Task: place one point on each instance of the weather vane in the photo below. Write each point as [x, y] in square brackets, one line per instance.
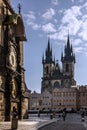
[19, 7]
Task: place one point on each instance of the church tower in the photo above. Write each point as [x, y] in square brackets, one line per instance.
[48, 67]
[12, 82]
[68, 61]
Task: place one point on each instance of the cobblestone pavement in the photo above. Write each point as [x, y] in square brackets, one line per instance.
[64, 126]
[31, 124]
[72, 122]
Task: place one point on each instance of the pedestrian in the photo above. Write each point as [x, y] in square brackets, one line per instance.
[82, 116]
[14, 123]
[14, 113]
[38, 113]
[64, 115]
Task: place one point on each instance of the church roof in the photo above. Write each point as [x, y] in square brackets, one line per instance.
[48, 54]
[68, 52]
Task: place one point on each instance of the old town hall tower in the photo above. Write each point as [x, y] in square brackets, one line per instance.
[13, 90]
[53, 75]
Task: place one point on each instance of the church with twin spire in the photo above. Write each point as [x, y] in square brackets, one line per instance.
[53, 75]
[59, 90]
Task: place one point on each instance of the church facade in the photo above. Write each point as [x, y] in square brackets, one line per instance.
[13, 90]
[53, 75]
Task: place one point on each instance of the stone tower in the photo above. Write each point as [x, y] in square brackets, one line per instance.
[48, 66]
[51, 71]
[12, 83]
[68, 61]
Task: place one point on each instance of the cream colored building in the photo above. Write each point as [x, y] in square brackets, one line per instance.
[64, 98]
[34, 100]
[46, 98]
[60, 98]
[40, 101]
[82, 97]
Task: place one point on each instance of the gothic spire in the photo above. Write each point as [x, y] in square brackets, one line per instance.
[68, 42]
[68, 51]
[48, 52]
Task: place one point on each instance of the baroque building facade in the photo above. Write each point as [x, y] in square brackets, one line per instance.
[53, 75]
[13, 90]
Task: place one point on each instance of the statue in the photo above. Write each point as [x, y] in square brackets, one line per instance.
[13, 92]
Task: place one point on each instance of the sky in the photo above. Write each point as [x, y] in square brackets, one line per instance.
[53, 18]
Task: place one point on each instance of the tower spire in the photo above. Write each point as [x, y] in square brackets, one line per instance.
[68, 41]
[48, 52]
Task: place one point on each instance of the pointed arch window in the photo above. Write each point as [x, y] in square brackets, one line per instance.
[67, 67]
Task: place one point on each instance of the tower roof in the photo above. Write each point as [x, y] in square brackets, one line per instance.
[48, 52]
[68, 52]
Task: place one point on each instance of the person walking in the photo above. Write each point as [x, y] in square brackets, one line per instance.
[64, 115]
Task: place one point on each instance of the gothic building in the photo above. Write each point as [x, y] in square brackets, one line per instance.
[13, 90]
[53, 75]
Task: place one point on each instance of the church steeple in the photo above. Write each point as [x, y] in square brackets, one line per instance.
[48, 52]
[68, 51]
[68, 61]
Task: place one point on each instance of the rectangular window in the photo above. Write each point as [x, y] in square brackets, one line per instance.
[67, 67]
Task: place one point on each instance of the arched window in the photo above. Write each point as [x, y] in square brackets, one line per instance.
[56, 85]
[67, 67]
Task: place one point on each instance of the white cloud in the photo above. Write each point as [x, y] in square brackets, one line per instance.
[55, 20]
[83, 30]
[55, 2]
[30, 16]
[83, 34]
[48, 28]
[72, 1]
[61, 11]
[80, 1]
[84, 5]
[60, 35]
[71, 14]
[49, 14]
[36, 26]
[31, 20]
[71, 19]
[76, 42]
[78, 49]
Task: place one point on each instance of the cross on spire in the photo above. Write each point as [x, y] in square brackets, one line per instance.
[19, 8]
